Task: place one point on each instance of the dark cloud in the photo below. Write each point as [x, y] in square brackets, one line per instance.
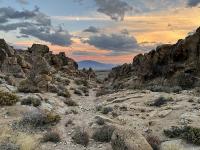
[33, 23]
[193, 3]
[116, 9]
[62, 38]
[114, 42]
[14, 26]
[10, 13]
[92, 29]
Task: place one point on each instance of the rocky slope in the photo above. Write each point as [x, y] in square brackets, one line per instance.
[167, 65]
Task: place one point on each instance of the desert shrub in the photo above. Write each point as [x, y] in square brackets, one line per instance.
[51, 137]
[103, 134]
[64, 93]
[7, 99]
[167, 89]
[84, 89]
[38, 118]
[77, 92]
[154, 141]
[160, 101]
[118, 144]
[27, 86]
[174, 132]
[100, 121]
[70, 102]
[69, 122]
[52, 118]
[81, 137]
[190, 134]
[9, 146]
[103, 91]
[185, 81]
[106, 110]
[81, 82]
[99, 108]
[31, 101]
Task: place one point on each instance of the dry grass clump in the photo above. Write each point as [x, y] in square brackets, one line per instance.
[81, 137]
[103, 134]
[51, 137]
[7, 99]
[172, 146]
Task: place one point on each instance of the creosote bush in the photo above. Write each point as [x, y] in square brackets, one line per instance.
[7, 99]
[31, 101]
[51, 137]
[81, 137]
[190, 134]
[103, 134]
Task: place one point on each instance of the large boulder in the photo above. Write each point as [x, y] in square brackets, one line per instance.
[128, 139]
[38, 49]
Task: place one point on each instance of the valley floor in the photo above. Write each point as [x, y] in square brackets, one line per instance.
[128, 108]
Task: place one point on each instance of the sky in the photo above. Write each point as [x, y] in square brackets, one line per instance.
[109, 31]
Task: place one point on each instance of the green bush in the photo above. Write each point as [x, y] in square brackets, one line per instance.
[190, 134]
[103, 134]
[31, 101]
[8, 99]
[51, 137]
[81, 137]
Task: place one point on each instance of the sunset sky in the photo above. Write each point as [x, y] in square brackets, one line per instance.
[110, 31]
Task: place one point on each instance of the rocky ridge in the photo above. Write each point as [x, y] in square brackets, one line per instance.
[167, 65]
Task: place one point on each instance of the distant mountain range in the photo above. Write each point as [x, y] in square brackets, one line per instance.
[95, 65]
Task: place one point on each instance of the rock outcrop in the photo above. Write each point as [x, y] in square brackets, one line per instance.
[34, 68]
[166, 65]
